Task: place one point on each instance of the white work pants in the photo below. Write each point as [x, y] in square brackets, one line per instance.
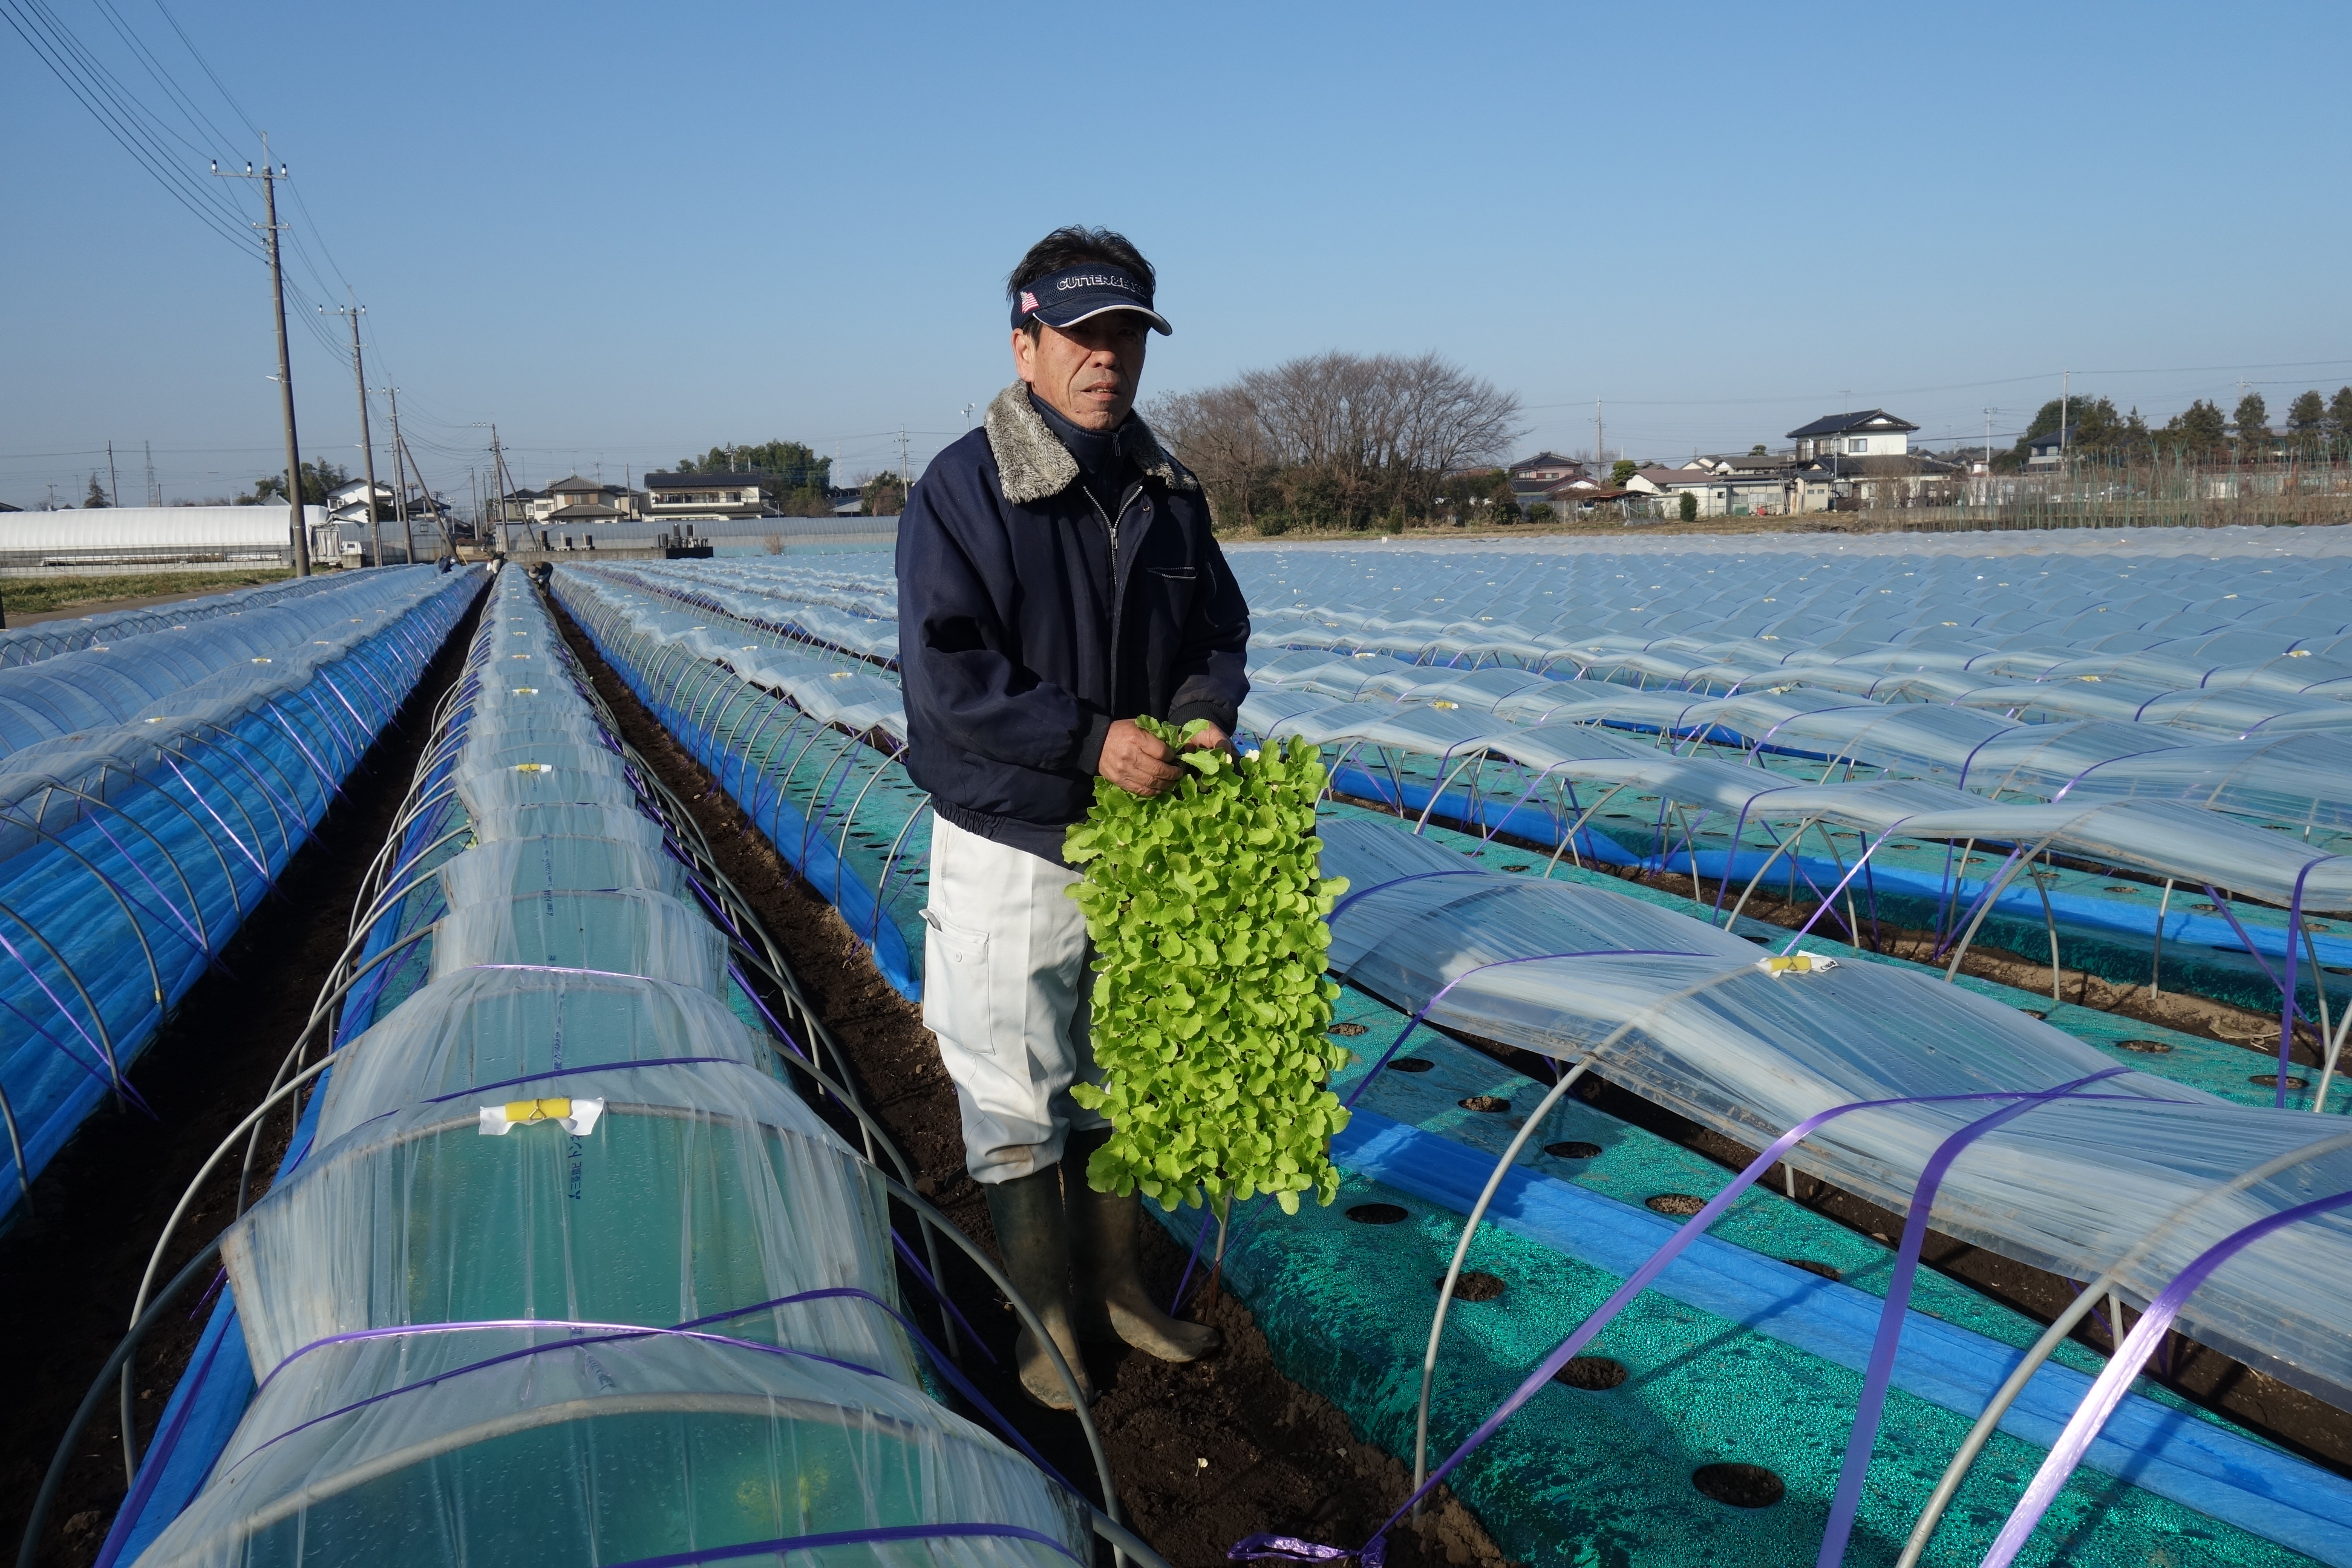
[1005, 988]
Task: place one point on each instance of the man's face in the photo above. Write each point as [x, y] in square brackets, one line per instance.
[1087, 372]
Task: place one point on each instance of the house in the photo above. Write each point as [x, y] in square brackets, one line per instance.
[2045, 452]
[1909, 479]
[1868, 433]
[348, 503]
[1718, 495]
[740, 494]
[1535, 479]
[579, 500]
[1549, 467]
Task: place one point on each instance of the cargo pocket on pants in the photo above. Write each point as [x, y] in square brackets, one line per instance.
[955, 987]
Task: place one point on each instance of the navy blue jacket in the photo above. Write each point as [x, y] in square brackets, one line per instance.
[1022, 635]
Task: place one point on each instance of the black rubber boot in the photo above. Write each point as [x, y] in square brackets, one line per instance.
[1110, 1301]
[1033, 1241]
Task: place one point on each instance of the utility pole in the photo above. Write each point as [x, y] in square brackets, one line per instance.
[154, 492]
[113, 486]
[400, 477]
[2066, 390]
[504, 481]
[903, 480]
[1599, 457]
[367, 443]
[474, 483]
[1988, 413]
[269, 178]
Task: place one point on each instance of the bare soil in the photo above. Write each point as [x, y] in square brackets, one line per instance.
[1203, 1454]
[72, 1265]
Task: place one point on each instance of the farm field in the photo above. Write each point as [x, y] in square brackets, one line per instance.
[1958, 928]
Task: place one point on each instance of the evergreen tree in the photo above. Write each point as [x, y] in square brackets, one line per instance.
[2339, 416]
[2199, 432]
[2253, 423]
[97, 496]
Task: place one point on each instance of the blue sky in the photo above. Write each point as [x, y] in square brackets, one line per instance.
[625, 232]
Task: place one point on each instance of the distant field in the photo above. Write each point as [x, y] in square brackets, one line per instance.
[32, 595]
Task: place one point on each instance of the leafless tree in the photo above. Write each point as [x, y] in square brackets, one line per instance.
[1341, 437]
[1220, 438]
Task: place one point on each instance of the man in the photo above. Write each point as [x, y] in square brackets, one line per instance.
[1057, 579]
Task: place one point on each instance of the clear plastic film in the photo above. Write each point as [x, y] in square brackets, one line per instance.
[700, 1188]
[2073, 1186]
[466, 1447]
[564, 1122]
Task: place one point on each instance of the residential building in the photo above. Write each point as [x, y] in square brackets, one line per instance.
[348, 503]
[2045, 452]
[1718, 494]
[1547, 467]
[580, 501]
[740, 494]
[1911, 478]
[1867, 433]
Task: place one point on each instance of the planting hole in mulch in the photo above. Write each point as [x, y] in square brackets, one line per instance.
[2270, 1080]
[1741, 1486]
[1572, 1151]
[1680, 1205]
[2148, 1047]
[1515, 868]
[1473, 1285]
[1376, 1214]
[1488, 1104]
[2035, 1012]
[1350, 1030]
[1814, 1265]
[1592, 1373]
[1411, 1063]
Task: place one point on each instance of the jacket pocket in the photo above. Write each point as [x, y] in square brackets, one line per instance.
[955, 986]
[1175, 573]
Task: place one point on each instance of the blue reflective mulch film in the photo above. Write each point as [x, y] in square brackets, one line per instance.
[152, 788]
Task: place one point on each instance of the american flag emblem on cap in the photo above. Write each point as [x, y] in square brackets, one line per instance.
[1028, 301]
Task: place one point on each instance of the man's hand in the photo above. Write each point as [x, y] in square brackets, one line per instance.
[1136, 762]
[1208, 736]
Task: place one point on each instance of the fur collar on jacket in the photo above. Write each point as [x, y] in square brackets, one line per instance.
[1034, 464]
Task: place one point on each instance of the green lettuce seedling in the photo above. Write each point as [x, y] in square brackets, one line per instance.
[1207, 908]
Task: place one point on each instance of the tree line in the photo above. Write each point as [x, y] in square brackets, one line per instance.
[1338, 439]
[2316, 427]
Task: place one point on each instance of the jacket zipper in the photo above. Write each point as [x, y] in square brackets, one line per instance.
[1118, 583]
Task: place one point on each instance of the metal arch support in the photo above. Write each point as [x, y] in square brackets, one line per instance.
[105, 1038]
[1783, 848]
[196, 905]
[154, 973]
[1985, 906]
[1568, 841]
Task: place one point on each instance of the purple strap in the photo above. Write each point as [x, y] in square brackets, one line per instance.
[2123, 1366]
[946, 1304]
[785, 1543]
[591, 1067]
[1639, 1281]
[1290, 1548]
[1880, 1371]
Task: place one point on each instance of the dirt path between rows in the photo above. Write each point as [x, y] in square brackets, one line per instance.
[1277, 1457]
[72, 1265]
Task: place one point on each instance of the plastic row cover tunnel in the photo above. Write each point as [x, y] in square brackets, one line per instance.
[152, 790]
[805, 737]
[1689, 1017]
[567, 1272]
[47, 639]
